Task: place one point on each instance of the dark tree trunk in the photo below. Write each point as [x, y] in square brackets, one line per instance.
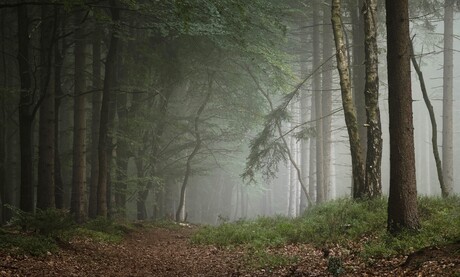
[79, 142]
[46, 155]
[95, 123]
[104, 126]
[402, 201]
[27, 197]
[122, 144]
[58, 61]
[359, 71]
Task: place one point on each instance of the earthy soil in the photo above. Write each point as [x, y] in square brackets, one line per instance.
[168, 252]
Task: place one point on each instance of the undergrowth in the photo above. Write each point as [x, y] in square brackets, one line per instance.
[343, 222]
[42, 233]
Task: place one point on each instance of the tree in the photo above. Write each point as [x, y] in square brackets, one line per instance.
[26, 114]
[447, 110]
[46, 157]
[373, 182]
[326, 101]
[357, 160]
[95, 122]
[104, 118]
[198, 143]
[402, 200]
[79, 136]
[316, 87]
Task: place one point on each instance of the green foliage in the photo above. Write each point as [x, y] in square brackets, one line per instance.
[35, 245]
[49, 223]
[258, 258]
[343, 222]
[108, 226]
[335, 266]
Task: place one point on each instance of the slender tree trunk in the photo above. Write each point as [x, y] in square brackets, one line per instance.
[447, 107]
[5, 187]
[27, 194]
[58, 62]
[46, 155]
[402, 200]
[434, 125]
[122, 145]
[198, 142]
[104, 126]
[373, 186]
[326, 102]
[77, 206]
[347, 101]
[95, 122]
[318, 106]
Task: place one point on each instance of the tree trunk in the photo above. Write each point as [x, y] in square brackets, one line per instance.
[58, 62]
[27, 197]
[122, 145]
[434, 125]
[359, 71]
[402, 200]
[347, 101]
[46, 144]
[326, 102]
[104, 126]
[77, 206]
[198, 142]
[373, 185]
[318, 106]
[95, 122]
[447, 111]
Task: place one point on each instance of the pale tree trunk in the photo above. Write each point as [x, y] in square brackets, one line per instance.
[95, 122]
[79, 141]
[292, 173]
[27, 194]
[104, 140]
[318, 106]
[447, 115]
[402, 200]
[373, 185]
[326, 102]
[45, 185]
[312, 156]
[304, 143]
[197, 147]
[347, 101]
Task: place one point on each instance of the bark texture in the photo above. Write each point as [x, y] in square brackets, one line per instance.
[104, 123]
[27, 197]
[373, 181]
[347, 101]
[402, 200]
[447, 107]
[77, 206]
[46, 137]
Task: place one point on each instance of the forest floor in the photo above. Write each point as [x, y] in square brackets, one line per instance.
[156, 251]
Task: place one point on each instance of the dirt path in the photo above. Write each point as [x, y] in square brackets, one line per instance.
[165, 252]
